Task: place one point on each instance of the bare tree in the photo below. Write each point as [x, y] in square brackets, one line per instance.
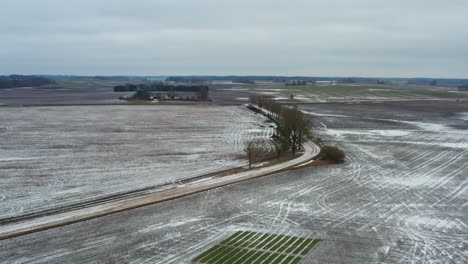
[294, 128]
[280, 145]
[252, 151]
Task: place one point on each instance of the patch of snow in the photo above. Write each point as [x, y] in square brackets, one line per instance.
[380, 90]
[17, 159]
[172, 224]
[383, 133]
[270, 93]
[463, 116]
[324, 115]
[422, 220]
[428, 126]
[202, 180]
[277, 90]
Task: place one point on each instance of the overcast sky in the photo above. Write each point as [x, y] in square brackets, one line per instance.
[368, 38]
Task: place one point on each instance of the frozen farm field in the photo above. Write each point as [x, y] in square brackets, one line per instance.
[356, 92]
[55, 156]
[401, 197]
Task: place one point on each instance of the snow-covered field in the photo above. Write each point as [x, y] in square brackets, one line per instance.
[56, 156]
[401, 197]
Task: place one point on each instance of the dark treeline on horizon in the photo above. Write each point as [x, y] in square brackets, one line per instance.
[159, 87]
[13, 81]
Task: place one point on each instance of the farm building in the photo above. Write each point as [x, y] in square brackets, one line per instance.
[167, 92]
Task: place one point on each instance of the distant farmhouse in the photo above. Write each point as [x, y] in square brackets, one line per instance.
[161, 91]
[295, 82]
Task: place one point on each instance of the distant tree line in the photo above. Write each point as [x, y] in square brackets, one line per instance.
[126, 88]
[13, 81]
[243, 80]
[159, 87]
[187, 79]
[77, 78]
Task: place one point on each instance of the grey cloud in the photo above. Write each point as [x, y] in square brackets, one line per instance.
[297, 37]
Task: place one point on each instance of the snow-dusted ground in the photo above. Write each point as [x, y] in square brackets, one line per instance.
[401, 197]
[56, 156]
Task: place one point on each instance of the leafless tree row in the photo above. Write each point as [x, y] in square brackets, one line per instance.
[292, 132]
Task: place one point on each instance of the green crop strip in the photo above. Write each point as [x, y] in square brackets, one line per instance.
[254, 247]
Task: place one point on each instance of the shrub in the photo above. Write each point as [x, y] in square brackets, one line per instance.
[332, 153]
